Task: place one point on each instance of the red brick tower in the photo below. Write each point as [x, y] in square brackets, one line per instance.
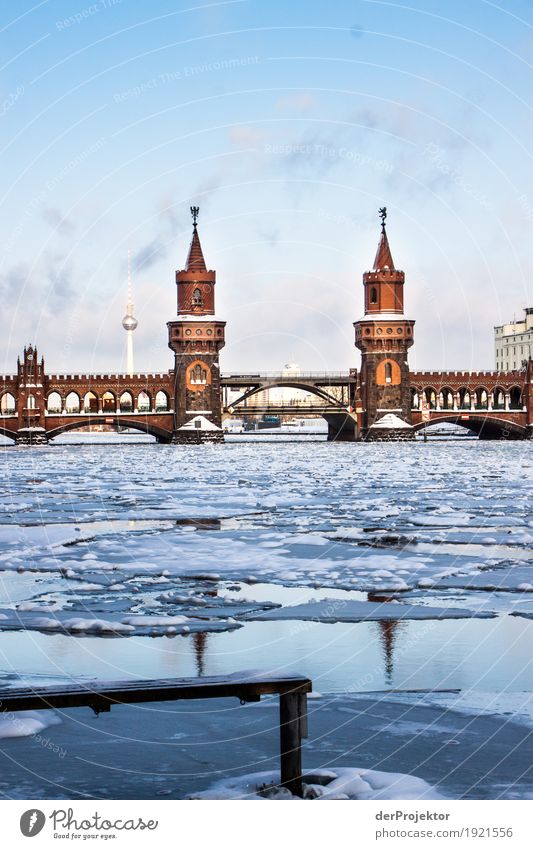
[31, 399]
[384, 337]
[196, 338]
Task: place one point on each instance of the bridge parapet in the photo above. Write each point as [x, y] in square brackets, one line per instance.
[120, 376]
[442, 376]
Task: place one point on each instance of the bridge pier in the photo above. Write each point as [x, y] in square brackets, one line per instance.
[341, 427]
[31, 436]
[197, 437]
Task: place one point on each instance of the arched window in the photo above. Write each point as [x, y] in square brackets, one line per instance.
[415, 400]
[90, 403]
[8, 404]
[109, 404]
[198, 374]
[388, 373]
[53, 403]
[72, 403]
[161, 402]
[197, 298]
[373, 295]
[126, 402]
[143, 402]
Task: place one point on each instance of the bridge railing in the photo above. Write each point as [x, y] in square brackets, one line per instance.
[279, 375]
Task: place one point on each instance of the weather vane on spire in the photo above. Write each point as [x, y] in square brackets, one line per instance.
[194, 212]
[383, 216]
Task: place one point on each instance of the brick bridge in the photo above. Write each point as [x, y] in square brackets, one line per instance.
[384, 400]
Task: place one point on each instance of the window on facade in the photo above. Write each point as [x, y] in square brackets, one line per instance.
[53, 403]
[161, 401]
[373, 295]
[7, 404]
[388, 373]
[198, 374]
[197, 298]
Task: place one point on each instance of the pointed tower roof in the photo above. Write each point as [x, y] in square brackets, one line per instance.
[383, 256]
[195, 259]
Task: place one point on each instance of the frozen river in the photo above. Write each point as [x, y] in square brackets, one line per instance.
[366, 567]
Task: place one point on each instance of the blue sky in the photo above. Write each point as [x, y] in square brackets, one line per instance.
[289, 124]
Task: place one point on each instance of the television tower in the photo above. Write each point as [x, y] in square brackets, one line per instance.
[129, 323]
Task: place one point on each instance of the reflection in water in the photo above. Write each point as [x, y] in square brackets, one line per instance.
[388, 630]
[200, 643]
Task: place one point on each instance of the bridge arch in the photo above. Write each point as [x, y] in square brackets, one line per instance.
[304, 387]
[489, 427]
[145, 426]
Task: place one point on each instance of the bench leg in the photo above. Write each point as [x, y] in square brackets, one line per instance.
[290, 705]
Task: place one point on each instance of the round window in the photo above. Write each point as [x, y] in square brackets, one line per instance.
[188, 331]
[389, 329]
[379, 331]
[209, 332]
[399, 330]
[198, 332]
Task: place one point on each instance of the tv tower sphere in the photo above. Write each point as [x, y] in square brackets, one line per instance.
[129, 322]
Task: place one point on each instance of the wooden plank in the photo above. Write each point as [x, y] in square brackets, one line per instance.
[290, 743]
[139, 691]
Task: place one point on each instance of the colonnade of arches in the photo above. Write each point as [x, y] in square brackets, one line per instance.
[91, 402]
[466, 398]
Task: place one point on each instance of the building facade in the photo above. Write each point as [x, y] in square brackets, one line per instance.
[513, 343]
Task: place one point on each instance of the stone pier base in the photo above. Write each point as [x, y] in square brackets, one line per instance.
[341, 428]
[31, 436]
[197, 437]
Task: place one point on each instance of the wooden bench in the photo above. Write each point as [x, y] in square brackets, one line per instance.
[245, 686]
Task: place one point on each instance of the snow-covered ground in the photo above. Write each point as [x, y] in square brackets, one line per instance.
[362, 566]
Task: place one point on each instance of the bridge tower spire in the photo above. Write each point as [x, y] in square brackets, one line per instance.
[384, 336]
[196, 337]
